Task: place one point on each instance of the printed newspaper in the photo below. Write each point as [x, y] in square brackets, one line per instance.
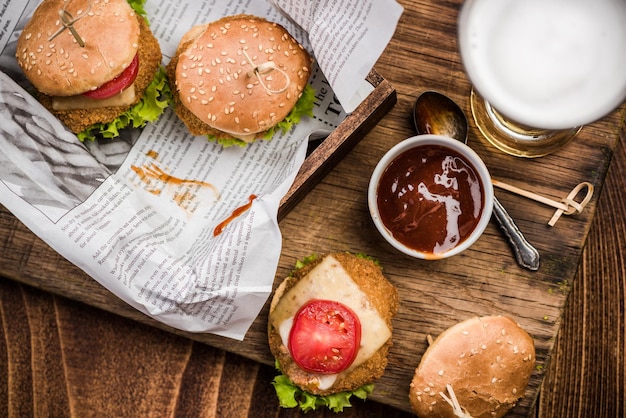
[152, 215]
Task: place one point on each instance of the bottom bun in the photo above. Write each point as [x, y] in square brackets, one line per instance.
[486, 361]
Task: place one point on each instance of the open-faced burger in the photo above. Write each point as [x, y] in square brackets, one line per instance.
[330, 328]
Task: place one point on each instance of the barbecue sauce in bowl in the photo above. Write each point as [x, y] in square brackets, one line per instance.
[430, 198]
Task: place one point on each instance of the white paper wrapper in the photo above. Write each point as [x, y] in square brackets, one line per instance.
[180, 228]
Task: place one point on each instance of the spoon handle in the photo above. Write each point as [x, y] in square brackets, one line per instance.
[526, 255]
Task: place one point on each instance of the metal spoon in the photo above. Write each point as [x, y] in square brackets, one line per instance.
[435, 113]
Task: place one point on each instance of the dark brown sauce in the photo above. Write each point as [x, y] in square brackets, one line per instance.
[430, 198]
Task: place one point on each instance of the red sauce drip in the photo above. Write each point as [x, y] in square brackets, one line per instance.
[430, 198]
[236, 213]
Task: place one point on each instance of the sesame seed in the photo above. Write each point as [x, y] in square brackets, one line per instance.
[440, 373]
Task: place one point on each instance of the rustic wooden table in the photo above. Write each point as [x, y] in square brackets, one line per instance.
[70, 348]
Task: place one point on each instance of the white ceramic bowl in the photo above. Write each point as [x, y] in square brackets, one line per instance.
[469, 156]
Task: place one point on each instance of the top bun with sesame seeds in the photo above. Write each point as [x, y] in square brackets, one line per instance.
[89, 60]
[237, 77]
[60, 66]
[486, 362]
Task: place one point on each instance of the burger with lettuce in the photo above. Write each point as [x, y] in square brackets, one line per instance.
[239, 79]
[330, 331]
[95, 65]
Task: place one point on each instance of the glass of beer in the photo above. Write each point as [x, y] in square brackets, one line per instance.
[541, 69]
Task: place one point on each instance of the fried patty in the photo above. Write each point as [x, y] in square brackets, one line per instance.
[384, 298]
[150, 56]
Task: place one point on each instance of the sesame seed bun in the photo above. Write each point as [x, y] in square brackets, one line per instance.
[487, 361]
[218, 91]
[60, 67]
[380, 293]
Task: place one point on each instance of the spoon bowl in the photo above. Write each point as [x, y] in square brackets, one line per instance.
[435, 113]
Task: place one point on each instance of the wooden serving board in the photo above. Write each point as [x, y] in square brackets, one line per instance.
[326, 213]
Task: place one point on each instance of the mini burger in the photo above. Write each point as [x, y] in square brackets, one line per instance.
[478, 368]
[330, 331]
[240, 78]
[95, 64]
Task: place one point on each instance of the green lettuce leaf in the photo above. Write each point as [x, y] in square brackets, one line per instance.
[291, 396]
[138, 7]
[154, 101]
[304, 107]
[310, 258]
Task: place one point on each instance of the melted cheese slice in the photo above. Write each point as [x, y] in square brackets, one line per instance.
[329, 280]
[125, 98]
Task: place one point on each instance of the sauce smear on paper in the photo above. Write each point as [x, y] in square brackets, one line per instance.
[236, 213]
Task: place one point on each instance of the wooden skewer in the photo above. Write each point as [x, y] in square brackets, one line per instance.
[566, 206]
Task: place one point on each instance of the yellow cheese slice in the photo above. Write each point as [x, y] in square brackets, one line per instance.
[125, 98]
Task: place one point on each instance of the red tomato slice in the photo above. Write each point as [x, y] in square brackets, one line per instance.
[325, 337]
[119, 83]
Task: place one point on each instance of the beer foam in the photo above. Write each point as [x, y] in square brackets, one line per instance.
[546, 63]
